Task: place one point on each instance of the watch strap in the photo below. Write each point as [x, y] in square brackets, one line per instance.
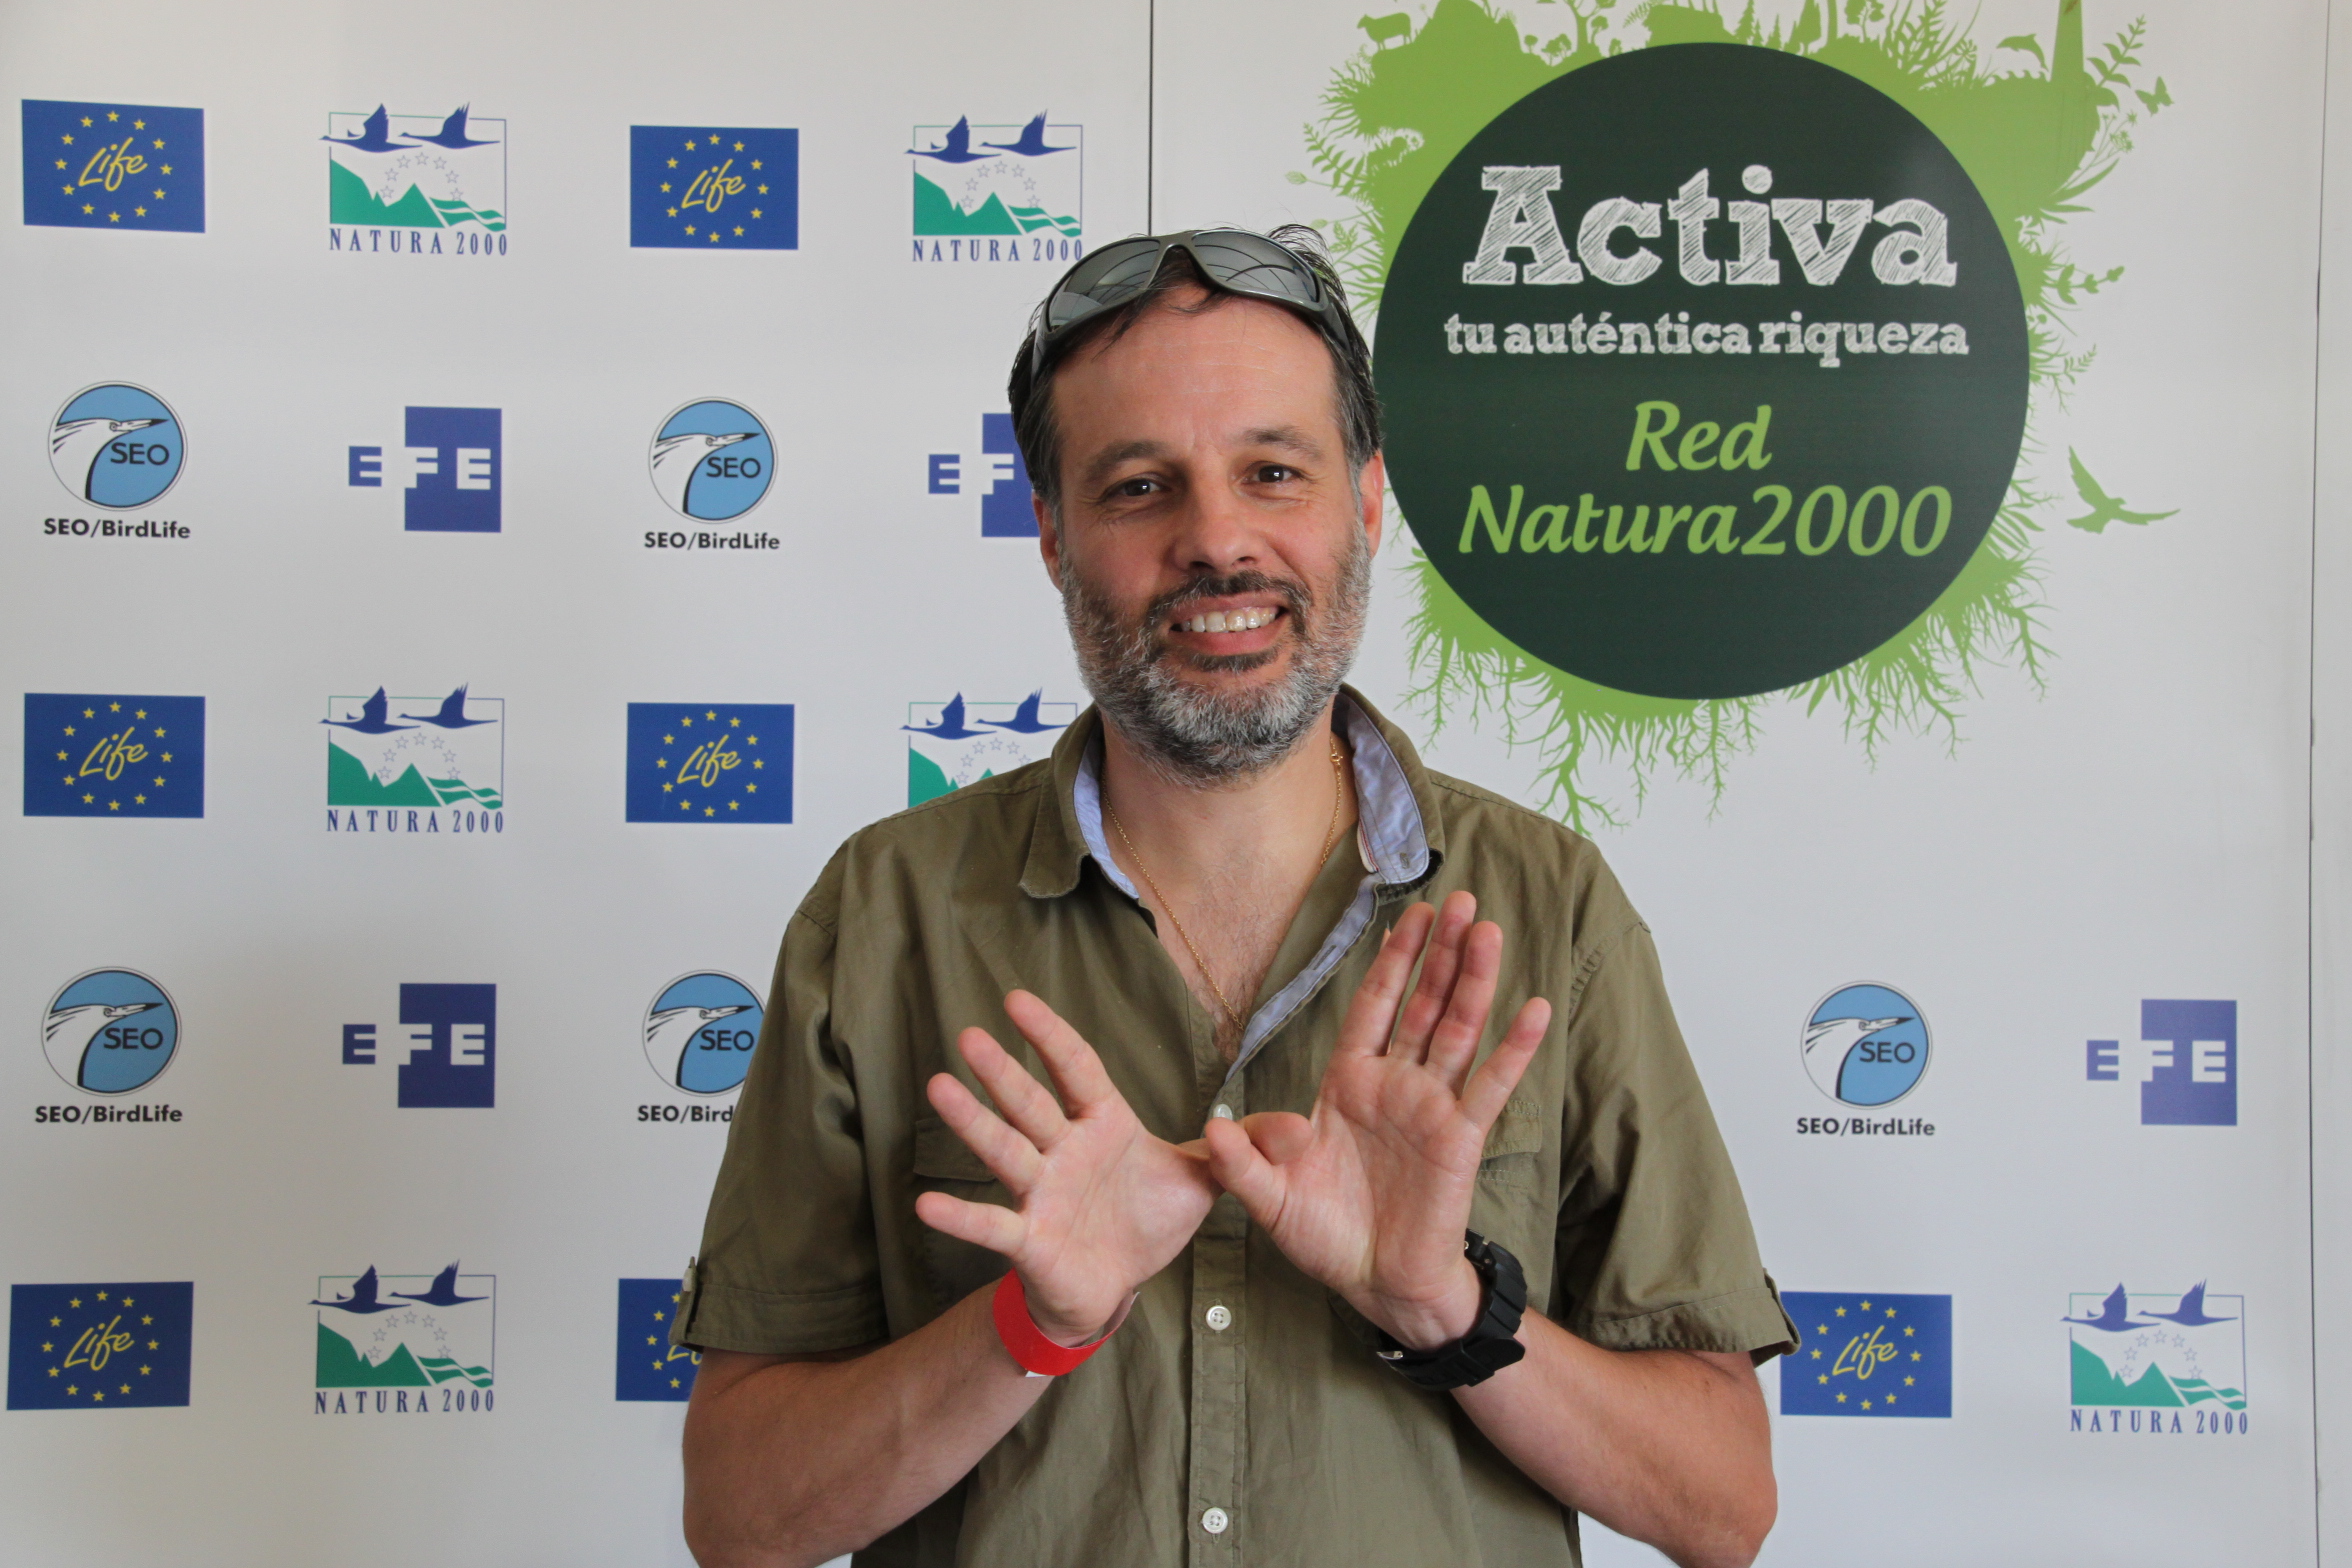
[1492, 1343]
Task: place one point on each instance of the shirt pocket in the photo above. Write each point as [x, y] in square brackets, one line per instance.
[943, 1162]
[1514, 1145]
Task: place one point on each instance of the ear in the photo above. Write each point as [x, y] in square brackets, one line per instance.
[1049, 540]
[1372, 485]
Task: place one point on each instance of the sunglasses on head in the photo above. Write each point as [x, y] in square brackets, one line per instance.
[1235, 260]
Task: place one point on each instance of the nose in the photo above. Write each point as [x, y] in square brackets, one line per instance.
[1216, 534]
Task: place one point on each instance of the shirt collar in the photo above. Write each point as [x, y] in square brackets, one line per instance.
[1397, 823]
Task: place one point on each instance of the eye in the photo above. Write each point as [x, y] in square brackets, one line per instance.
[1274, 473]
[1135, 488]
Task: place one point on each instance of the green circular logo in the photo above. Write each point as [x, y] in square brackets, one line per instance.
[1705, 369]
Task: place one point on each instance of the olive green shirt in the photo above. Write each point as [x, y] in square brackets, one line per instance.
[1265, 1432]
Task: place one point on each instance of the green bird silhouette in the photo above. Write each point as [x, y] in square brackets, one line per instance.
[2104, 508]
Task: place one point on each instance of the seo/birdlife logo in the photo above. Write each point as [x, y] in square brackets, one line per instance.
[711, 462]
[116, 445]
[699, 1034]
[110, 1032]
[449, 466]
[446, 1047]
[1865, 1045]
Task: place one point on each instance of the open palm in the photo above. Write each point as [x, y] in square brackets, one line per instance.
[1105, 1205]
[1370, 1194]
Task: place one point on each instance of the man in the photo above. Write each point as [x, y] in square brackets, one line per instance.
[1282, 1200]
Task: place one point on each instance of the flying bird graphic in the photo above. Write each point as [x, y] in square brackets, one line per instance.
[957, 148]
[74, 446]
[452, 134]
[950, 725]
[1032, 142]
[452, 714]
[373, 135]
[371, 720]
[2114, 1315]
[362, 1297]
[2104, 508]
[677, 459]
[2191, 1311]
[1025, 720]
[441, 1293]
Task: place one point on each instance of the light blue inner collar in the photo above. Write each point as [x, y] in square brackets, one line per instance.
[1389, 832]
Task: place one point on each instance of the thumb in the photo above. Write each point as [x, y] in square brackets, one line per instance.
[1241, 1170]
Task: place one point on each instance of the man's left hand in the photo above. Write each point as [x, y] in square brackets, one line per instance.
[1371, 1194]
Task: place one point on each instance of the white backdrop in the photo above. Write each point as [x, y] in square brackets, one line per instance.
[2133, 828]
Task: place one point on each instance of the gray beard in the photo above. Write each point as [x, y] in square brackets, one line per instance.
[1198, 737]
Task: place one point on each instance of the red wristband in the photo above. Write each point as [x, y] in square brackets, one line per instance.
[1036, 1354]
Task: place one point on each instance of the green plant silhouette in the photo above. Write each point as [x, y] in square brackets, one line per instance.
[2037, 128]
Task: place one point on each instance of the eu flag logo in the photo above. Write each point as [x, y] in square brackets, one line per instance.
[72, 1347]
[1867, 1355]
[696, 189]
[710, 762]
[113, 756]
[646, 1366]
[113, 166]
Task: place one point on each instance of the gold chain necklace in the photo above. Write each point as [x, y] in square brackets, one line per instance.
[1338, 791]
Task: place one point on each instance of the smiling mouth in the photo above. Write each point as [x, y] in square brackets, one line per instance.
[1242, 620]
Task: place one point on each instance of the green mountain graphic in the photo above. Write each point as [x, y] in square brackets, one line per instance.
[349, 783]
[927, 780]
[340, 1365]
[350, 201]
[937, 213]
[2095, 1385]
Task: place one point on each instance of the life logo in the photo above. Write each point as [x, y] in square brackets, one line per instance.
[109, 1032]
[711, 461]
[722, 762]
[2156, 1362]
[997, 474]
[115, 446]
[731, 189]
[449, 464]
[99, 1347]
[2185, 1062]
[447, 1048]
[113, 166]
[999, 193]
[956, 743]
[1868, 1355]
[416, 765]
[416, 184]
[1865, 1045]
[700, 1033]
[646, 1366]
[405, 1344]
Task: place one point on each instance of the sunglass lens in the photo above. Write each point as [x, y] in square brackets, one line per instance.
[1106, 278]
[1248, 261]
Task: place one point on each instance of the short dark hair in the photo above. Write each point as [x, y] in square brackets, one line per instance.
[1031, 387]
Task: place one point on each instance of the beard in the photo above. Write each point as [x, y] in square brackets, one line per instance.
[1199, 736]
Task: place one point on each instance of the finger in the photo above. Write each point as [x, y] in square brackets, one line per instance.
[1020, 1099]
[1455, 1040]
[1013, 1158]
[1245, 1172]
[1372, 1011]
[1491, 1085]
[1076, 1070]
[982, 1224]
[1281, 1136]
[1439, 965]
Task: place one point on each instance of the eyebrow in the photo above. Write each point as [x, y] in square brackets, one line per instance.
[1289, 438]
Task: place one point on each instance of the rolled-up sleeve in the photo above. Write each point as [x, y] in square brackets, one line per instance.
[1655, 1248]
[788, 1262]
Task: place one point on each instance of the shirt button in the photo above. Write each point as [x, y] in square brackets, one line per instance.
[1219, 1318]
[1215, 1521]
[1223, 1113]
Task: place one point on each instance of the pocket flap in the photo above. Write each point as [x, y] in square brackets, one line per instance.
[1519, 1130]
[942, 1156]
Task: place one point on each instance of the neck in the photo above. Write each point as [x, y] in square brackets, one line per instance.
[1276, 820]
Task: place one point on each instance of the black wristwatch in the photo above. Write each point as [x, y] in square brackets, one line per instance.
[1493, 1341]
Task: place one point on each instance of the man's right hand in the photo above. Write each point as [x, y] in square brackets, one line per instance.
[1104, 1204]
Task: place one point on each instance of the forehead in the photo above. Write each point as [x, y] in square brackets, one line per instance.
[1235, 364]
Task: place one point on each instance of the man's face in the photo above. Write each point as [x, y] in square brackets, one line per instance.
[1212, 552]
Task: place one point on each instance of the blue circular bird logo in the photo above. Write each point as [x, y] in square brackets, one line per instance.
[110, 1031]
[700, 1031]
[1866, 1045]
[117, 445]
[712, 461]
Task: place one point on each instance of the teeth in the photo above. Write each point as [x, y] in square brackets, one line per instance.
[1230, 621]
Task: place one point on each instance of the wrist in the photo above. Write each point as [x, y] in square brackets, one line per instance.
[1044, 1350]
[1424, 1323]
